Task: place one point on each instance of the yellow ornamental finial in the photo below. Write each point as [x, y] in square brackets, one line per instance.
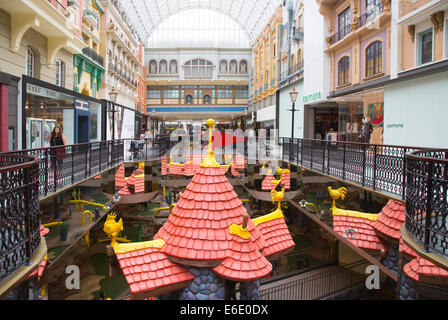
[209, 160]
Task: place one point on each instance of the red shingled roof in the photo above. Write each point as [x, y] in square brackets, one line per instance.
[404, 248]
[224, 169]
[235, 172]
[139, 185]
[98, 177]
[149, 269]
[197, 228]
[119, 177]
[391, 218]
[420, 266]
[189, 169]
[43, 231]
[164, 166]
[276, 236]
[176, 169]
[358, 231]
[239, 162]
[244, 261]
[286, 180]
[267, 184]
[125, 190]
[40, 270]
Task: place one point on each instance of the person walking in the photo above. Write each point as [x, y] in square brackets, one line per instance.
[57, 154]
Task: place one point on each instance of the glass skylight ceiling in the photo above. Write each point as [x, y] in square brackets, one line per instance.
[250, 15]
[198, 28]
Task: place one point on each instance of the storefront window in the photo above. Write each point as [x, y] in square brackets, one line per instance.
[44, 109]
[350, 121]
[95, 122]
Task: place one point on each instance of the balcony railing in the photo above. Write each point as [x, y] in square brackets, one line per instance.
[298, 34]
[372, 13]
[273, 83]
[59, 6]
[19, 218]
[93, 55]
[344, 31]
[377, 167]
[427, 199]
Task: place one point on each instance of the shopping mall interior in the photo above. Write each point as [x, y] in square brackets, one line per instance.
[223, 150]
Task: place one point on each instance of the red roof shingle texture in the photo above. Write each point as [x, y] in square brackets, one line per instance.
[358, 231]
[267, 184]
[276, 236]
[176, 169]
[197, 228]
[404, 248]
[391, 218]
[420, 266]
[119, 177]
[286, 180]
[164, 166]
[148, 269]
[244, 261]
[235, 172]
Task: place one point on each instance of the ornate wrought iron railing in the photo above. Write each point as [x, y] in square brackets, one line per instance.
[377, 167]
[318, 285]
[427, 199]
[61, 167]
[19, 211]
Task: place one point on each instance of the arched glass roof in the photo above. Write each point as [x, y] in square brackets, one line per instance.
[198, 28]
[251, 15]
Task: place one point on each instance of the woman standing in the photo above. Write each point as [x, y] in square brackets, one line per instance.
[57, 154]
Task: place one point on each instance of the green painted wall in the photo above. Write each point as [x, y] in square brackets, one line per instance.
[416, 112]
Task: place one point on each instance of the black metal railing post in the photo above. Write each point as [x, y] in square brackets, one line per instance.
[73, 169]
[90, 159]
[364, 165]
[403, 195]
[343, 161]
[100, 149]
[428, 205]
[46, 172]
[27, 212]
[374, 168]
[301, 152]
[312, 154]
[323, 157]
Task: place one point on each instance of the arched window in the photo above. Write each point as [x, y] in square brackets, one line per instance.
[198, 68]
[189, 99]
[153, 67]
[233, 67]
[243, 67]
[344, 71]
[30, 62]
[207, 99]
[163, 67]
[173, 67]
[223, 67]
[374, 58]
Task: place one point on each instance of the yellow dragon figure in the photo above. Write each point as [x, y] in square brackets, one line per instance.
[336, 194]
[113, 228]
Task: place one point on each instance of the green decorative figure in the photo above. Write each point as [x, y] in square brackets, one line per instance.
[139, 232]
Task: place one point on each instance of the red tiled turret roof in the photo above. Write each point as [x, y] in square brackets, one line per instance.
[148, 271]
[235, 172]
[176, 169]
[404, 248]
[125, 190]
[244, 261]
[358, 230]
[164, 166]
[239, 162]
[267, 184]
[286, 180]
[391, 218]
[119, 177]
[420, 266]
[275, 234]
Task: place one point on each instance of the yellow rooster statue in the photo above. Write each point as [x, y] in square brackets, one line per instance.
[278, 195]
[113, 228]
[336, 194]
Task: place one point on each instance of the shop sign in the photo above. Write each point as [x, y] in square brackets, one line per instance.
[47, 93]
[82, 105]
[312, 97]
[395, 126]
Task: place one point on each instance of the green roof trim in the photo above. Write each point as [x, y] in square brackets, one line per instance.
[98, 6]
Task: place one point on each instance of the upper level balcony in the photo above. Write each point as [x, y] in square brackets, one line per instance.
[375, 18]
[93, 55]
[298, 34]
[51, 18]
